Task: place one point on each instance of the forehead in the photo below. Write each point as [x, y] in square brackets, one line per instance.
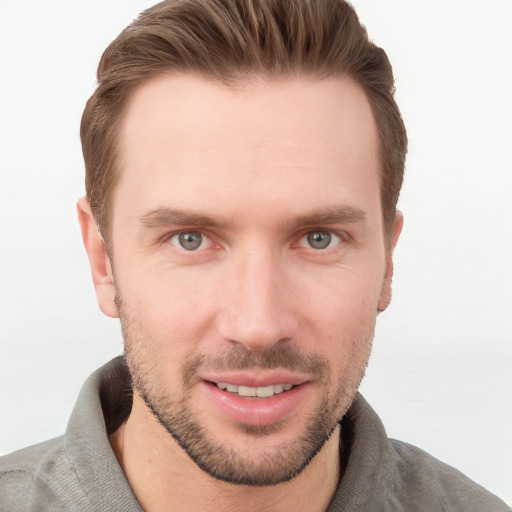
[262, 142]
[183, 107]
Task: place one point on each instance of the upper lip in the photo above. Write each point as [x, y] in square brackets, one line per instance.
[257, 379]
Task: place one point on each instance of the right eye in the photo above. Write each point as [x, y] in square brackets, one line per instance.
[190, 240]
[320, 240]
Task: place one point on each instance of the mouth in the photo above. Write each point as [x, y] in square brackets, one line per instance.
[254, 392]
[256, 400]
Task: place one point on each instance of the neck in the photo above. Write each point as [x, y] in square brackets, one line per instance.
[163, 477]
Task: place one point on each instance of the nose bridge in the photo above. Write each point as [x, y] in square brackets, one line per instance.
[256, 309]
[259, 280]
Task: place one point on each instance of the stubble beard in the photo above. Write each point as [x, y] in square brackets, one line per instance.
[280, 464]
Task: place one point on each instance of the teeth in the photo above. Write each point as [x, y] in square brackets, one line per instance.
[265, 391]
[245, 391]
[261, 392]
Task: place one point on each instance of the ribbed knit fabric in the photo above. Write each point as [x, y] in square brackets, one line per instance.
[80, 472]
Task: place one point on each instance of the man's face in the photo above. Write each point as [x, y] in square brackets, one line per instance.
[248, 259]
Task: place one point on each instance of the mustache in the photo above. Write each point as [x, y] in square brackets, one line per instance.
[240, 358]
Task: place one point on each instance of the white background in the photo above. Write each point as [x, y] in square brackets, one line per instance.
[440, 373]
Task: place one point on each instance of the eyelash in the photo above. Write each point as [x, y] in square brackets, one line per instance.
[340, 236]
[204, 236]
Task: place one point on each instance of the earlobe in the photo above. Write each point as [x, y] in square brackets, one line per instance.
[385, 296]
[101, 269]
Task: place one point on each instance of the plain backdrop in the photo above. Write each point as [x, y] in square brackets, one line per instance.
[440, 373]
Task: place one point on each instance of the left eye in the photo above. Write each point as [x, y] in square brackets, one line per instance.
[320, 240]
[190, 240]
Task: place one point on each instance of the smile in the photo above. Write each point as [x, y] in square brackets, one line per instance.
[258, 392]
[256, 405]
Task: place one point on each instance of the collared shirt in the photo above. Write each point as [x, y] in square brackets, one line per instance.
[80, 472]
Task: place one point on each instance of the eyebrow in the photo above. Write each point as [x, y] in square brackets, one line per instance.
[164, 217]
[342, 214]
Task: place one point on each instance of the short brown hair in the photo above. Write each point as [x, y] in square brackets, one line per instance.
[226, 40]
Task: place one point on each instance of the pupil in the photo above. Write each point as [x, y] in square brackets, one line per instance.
[319, 239]
[190, 241]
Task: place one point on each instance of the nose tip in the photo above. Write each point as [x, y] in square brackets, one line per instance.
[257, 335]
[256, 324]
[255, 309]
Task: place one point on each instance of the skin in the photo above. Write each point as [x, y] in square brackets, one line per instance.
[253, 170]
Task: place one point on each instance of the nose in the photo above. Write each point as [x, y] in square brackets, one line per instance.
[256, 301]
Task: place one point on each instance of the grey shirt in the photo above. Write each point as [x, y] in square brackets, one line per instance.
[79, 470]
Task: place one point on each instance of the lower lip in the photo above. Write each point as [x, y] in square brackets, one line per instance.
[256, 411]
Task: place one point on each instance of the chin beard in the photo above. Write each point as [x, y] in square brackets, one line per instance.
[227, 463]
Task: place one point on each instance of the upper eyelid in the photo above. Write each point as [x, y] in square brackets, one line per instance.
[169, 234]
[342, 234]
[334, 232]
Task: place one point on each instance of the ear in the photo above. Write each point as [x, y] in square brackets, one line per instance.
[385, 295]
[101, 269]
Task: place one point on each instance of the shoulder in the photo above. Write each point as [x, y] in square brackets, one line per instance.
[425, 479]
[34, 462]
[39, 477]
[386, 475]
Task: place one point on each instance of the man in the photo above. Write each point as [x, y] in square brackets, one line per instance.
[244, 161]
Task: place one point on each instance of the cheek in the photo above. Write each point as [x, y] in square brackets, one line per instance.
[172, 309]
[342, 297]
[340, 314]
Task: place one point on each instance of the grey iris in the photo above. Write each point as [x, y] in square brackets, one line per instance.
[319, 239]
[190, 241]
